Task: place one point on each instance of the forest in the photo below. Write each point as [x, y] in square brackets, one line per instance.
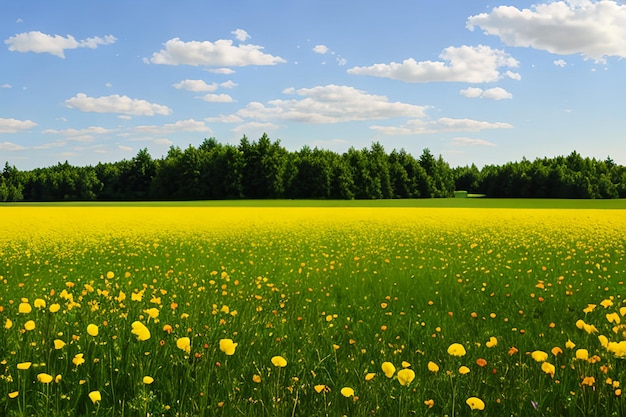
[264, 169]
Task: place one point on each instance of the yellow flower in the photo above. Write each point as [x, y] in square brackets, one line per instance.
[14, 394]
[78, 359]
[580, 324]
[256, 378]
[604, 341]
[141, 331]
[569, 344]
[279, 361]
[184, 343]
[548, 368]
[613, 318]
[539, 356]
[54, 307]
[92, 330]
[24, 365]
[8, 324]
[492, 342]
[456, 349]
[319, 388]
[406, 376]
[589, 308]
[429, 403]
[58, 378]
[370, 376]
[39, 303]
[347, 392]
[29, 325]
[556, 350]
[95, 396]
[475, 403]
[58, 344]
[44, 378]
[589, 381]
[228, 347]
[606, 303]
[147, 380]
[388, 369]
[406, 364]
[24, 308]
[153, 312]
[110, 275]
[464, 370]
[582, 354]
[433, 367]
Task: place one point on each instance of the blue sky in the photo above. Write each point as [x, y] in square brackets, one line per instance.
[474, 81]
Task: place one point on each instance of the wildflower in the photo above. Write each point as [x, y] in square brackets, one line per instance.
[388, 369]
[14, 394]
[24, 308]
[8, 324]
[456, 349]
[406, 364]
[556, 351]
[548, 368]
[167, 328]
[492, 342]
[481, 362]
[92, 330]
[406, 376]
[433, 367]
[153, 312]
[24, 365]
[319, 388]
[279, 361]
[58, 344]
[228, 347]
[582, 354]
[95, 396]
[604, 341]
[569, 344]
[184, 343]
[589, 308]
[110, 274]
[54, 307]
[464, 370]
[39, 303]
[370, 376]
[147, 380]
[29, 325]
[44, 378]
[256, 378]
[589, 381]
[140, 330]
[606, 303]
[475, 403]
[347, 392]
[78, 359]
[513, 351]
[58, 378]
[429, 403]
[613, 318]
[539, 356]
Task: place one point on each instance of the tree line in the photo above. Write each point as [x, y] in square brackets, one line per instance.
[264, 169]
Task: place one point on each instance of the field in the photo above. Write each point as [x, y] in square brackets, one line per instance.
[258, 309]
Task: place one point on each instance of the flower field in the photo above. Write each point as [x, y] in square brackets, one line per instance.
[283, 311]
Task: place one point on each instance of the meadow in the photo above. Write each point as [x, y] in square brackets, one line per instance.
[261, 309]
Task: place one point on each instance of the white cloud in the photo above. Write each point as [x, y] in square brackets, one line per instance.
[108, 85]
[560, 63]
[10, 146]
[80, 135]
[14, 125]
[116, 104]
[228, 84]
[195, 85]
[472, 64]
[330, 104]
[496, 93]
[231, 118]
[471, 142]
[217, 98]
[320, 49]
[189, 125]
[240, 34]
[39, 42]
[221, 53]
[593, 29]
[6, 86]
[125, 148]
[513, 75]
[222, 71]
[445, 124]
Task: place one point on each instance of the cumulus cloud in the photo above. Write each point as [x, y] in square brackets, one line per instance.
[116, 104]
[471, 142]
[593, 29]
[195, 85]
[445, 124]
[496, 93]
[80, 135]
[39, 42]
[221, 53]
[10, 146]
[240, 34]
[559, 63]
[320, 49]
[217, 98]
[14, 125]
[189, 125]
[473, 64]
[330, 104]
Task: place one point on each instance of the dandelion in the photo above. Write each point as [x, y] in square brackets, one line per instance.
[256, 378]
[548, 368]
[491, 342]
[110, 275]
[184, 343]
[539, 356]
[39, 303]
[347, 392]
[8, 324]
[319, 388]
[147, 380]
[406, 364]
[513, 351]
[604, 341]
[456, 349]
[29, 325]
[370, 376]
[140, 330]
[613, 318]
[228, 347]
[388, 369]
[464, 370]
[153, 312]
[406, 376]
[481, 362]
[589, 308]
[22, 366]
[14, 394]
[556, 351]
[58, 344]
[24, 308]
[78, 359]
[589, 381]
[95, 396]
[92, 330]
[569, 344]
[279, 361]
[44, 378]
[54, 307]
[606, 303]
[475, 403]
[582, 354]
[58, 378]
[430, 403]
[433, 367]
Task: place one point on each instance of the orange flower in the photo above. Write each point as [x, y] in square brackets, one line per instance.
[513, 351]
[430, 403]
[481, 362]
